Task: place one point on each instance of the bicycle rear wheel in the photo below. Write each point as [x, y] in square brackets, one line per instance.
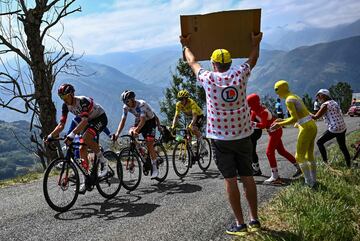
[205, 155]
[181, 159]
[131, 166]
[61, 184]
[110, 185]
[162, 162]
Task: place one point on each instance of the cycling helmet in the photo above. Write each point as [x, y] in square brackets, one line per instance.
[126, 95]
[183, 94]
[65, 89]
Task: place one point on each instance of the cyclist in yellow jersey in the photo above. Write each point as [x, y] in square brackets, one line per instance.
[189, 107]
[301, 117]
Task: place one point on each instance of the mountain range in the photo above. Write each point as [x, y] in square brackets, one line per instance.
[148, 72]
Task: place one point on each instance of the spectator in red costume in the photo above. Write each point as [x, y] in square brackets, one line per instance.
[275, 143]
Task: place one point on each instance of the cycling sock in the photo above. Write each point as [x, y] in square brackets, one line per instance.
[274, 173]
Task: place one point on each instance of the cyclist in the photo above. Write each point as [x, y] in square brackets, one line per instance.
[275, 142]
[93, 121]
[189, 107]
[145, 123]
[300, 116]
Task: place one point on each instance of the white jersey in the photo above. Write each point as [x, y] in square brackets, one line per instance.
[333, 117]
[228, 114]
[141, 109]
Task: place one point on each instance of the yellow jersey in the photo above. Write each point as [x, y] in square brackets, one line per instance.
[189, 109]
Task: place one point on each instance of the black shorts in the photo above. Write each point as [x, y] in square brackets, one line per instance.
[97, 125]
[233, 157]
[149, 128]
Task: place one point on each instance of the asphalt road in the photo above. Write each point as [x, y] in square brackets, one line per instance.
[193, 209]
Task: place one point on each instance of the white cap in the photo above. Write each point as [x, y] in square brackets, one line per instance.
[324, 92]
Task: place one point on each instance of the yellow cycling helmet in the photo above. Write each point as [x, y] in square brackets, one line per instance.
[183, 94]
[221, 56]
[281, 88]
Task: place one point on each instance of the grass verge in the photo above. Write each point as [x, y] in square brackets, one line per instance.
[331, 212]
[21, 179]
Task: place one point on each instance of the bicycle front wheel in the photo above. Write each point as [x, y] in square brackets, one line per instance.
[162, 162]
[181, 159]
[110, 185]
[61, 185]
[205, 155]
[131, 166]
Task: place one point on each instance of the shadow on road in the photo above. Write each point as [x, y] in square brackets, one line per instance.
[206, 175]
[110, 209]
[170, 188]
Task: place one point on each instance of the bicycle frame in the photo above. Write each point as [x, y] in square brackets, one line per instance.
[134, 146]
[187, 140]
[90, 176]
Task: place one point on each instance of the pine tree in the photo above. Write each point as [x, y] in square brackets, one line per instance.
[183, 78]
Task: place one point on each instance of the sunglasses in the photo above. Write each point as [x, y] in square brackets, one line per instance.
[128, 101]
[182, 98]
[276, 89]
[63, 96]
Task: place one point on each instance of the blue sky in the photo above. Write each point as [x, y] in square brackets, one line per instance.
[131, 25]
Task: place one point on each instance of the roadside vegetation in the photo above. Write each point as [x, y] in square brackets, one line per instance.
[330, 212]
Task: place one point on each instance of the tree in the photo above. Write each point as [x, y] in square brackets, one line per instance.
[183, 78]
[26, 40]
[308, 102]
[342, 93]
[269, 102]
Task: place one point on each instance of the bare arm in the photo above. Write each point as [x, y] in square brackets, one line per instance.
[57, 130]
[140, 125]
[254, 54]
[189, 56]
[320, 112]
[120, 128]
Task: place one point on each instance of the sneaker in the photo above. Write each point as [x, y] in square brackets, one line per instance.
[236, 230]
[298, 173]
[257, 173]
[155, 171]
[254, 226]
[103, 171]
[82, 189]
[273, 181]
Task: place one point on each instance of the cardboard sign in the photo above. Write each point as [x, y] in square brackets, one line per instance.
[229, 30]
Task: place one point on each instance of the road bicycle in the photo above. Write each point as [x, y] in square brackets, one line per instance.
[186, 153]
[135, 161]
[62, 181]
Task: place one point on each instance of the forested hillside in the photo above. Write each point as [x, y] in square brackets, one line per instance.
[14, 158]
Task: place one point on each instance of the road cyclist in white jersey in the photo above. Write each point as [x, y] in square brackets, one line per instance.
[145, 123]
[93, 121]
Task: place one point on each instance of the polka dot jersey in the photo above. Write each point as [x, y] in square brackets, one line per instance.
[228, 114]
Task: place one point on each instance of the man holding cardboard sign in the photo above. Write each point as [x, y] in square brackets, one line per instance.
[228, 125]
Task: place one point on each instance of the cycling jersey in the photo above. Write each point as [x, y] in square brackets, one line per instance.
[83, 107]
[190, 108]
[141, 109]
